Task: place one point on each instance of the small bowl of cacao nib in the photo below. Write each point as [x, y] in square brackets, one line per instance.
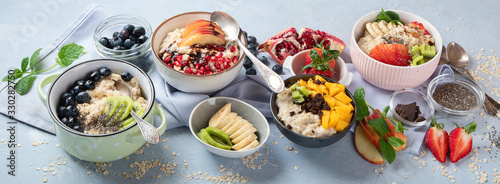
[454, 96]
[302, 122]
[411, 107]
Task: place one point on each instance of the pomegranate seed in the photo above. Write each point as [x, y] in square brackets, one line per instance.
[280, 57]
[167, 59]
[233, 48]
[197, 66]
[217, 65]
[213, 58]
[208, 72]
[207, 67]
[207, 58]
[227, 66]
[219, 55]
[171, 65]
[189, 71]
[177, 63]
[222, 49]
[208, 46]
[178, 58]
[235, 59]
[200, 72]
[183, 63]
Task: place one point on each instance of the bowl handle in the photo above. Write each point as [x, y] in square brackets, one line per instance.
[136, 136]
[346, 80]
[287, 64]
[45, 81]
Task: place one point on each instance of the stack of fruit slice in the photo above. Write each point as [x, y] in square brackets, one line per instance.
[202, 32]
[118, 109]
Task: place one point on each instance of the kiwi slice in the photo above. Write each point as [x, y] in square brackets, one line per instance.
[127, 107]
[138, 109]
[111, 105]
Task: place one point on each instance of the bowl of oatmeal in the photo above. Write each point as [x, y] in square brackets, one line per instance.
[193, 54]
[369, 40]
[91, 117]
[319, 119]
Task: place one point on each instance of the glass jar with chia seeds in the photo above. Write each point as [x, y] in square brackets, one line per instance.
[454, 96]
[139, 54]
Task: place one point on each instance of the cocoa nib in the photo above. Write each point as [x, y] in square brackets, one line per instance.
[292, 113]
[410, 112]
[315, 105]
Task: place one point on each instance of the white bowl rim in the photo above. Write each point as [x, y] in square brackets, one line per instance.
[67, 129]
[182, 73]
[436, 36]
[261, 142]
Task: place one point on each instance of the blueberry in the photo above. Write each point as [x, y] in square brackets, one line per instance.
[277, 68]
[135, 46]
[105, 71]
[124, 34]
[73, 121]
[252, 46]
[61, 111]
[138, 31]
[64, 120]
[254, 52]
[70, 101]
[251, 71]
[116, 34]
[79, 82]
[105, 42]
[128, 43]
[72, 110]
[251, 39]
[63, 98]
[117, 41]
[247, 63]
[89, 85]
[245, 33]
[82, 97]
[95, 76]
[126, 76]
[133, 38]
[129, 27]
[142, 39]
[264, 60]
[119, 48]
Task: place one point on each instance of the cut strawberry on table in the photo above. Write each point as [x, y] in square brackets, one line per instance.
[393, 54]
[461, 142]
[320, 61]
[436, 140]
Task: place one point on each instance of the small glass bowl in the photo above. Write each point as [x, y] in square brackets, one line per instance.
[457, 79]
[139, 56]
[407, 96]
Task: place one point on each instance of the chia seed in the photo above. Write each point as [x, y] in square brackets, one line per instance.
[455, 96]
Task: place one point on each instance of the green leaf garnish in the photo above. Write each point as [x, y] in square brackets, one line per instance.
[380, 126]
[362, 107]
[24, 64]
[321, 63]
[389, 16]
[387, 151]
[69, 53]
[24, 85]
[33, 58]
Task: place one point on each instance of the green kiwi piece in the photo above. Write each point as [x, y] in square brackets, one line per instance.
[211, 139]
[111, 105]
[138, 109]
[127, 107]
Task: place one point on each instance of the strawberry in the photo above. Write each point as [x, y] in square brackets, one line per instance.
[436, 140]
[461, 141]
[320, 61]
[420, 26]
[393, 54]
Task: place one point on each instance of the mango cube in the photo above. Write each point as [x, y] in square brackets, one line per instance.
[317, 77]
[325, 119]
[334, 119]
[341, 125]
[341, 96]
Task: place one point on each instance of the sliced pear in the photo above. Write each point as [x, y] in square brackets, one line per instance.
[236, 124]
[244, 142]
[253, 144]
[221, 113]
[225, 120]
[242, 130]
[245, 135]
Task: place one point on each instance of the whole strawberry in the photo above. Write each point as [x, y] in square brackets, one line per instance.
[436, 140]
[320, 61]
[461, 141]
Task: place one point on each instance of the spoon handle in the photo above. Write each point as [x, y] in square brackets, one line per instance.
[273, 80]
[148, 131]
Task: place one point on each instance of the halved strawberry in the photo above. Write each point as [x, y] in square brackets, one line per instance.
[461, 141]
[393, 54]
[436, 140]
[320, 61]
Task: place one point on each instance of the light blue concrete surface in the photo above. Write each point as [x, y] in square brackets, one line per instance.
[473, 24]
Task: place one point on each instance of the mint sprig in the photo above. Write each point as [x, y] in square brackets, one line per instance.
[389, 16]
[379, 126]
[67, 54]
[321, 63]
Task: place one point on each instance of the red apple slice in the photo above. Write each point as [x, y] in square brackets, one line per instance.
[193, 25]
[203, 38]
[365, 147]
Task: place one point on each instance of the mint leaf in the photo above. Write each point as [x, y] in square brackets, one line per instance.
[69, 53]
[17, 74]
[33, 58]
[387, 151]
[380, 125]
[24, 84]
[392, 15]
[396, 142]
[362, 107]
[24, 64]
[386, 109]
[400, 128]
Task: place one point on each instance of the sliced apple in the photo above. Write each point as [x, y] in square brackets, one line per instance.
[203, 38]
[193, 25]
[366, 148]
[375, 138]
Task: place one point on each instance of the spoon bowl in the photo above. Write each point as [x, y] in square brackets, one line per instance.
[232, 29]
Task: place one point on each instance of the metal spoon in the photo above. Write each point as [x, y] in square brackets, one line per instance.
[148, 131]
[232, 29]
[459, 58]
[444, 57]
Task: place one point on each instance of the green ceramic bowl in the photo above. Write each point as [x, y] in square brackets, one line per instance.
[103, 147]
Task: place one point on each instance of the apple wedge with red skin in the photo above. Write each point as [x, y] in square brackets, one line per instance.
[365, 147]
[193, 25]
[204, 35]
[375, 138]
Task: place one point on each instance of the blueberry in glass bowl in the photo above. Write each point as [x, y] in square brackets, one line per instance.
[125, 37]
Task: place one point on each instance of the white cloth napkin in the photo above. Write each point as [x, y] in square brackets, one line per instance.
[177, 105]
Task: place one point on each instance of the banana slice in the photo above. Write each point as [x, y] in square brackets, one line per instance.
[383, 26]
[240, 131]
[377, 29]
[223, 112]
[370, 29]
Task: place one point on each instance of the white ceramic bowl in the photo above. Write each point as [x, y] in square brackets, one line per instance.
[102, 147]
[187, 82]
[387, 76]
[207, 108]
[295, 63]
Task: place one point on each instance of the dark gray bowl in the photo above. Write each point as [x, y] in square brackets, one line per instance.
[300, 139]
